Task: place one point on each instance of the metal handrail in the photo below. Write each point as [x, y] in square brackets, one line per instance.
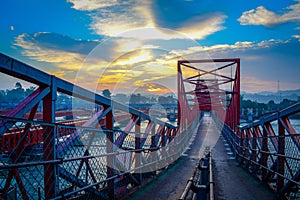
[198, 176]
[211, 180]
[251, 149]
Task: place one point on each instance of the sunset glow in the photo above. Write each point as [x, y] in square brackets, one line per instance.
[122, 45]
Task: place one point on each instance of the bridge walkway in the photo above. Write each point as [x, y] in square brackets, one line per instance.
[231, 181]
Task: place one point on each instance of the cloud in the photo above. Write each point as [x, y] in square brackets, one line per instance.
[64, 52]
[89, 5]
[219, 48]
[93, 64]
[135, 57]
[202, 26]
[297, 37]
[119, 17]
[135, 19]
[155, 88]
[265, 17]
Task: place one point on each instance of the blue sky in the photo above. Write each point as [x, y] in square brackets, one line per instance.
[132, 45]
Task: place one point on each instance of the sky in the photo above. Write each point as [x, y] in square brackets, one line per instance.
[129, 46]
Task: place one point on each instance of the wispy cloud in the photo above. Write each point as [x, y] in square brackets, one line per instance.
[134, 19]
[62, 59]
[62, 51]
[89, 5]
[265, 17]
[219, 48]
[112, 18]
[297, 37]
[203, 26]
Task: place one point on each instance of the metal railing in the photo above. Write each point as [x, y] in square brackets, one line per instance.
[81, 166]
[200, 185]
[95, 159]
[269, 149]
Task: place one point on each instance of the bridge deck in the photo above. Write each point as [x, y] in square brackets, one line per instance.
[231, 181]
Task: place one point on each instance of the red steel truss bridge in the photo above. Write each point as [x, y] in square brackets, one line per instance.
[115, 148]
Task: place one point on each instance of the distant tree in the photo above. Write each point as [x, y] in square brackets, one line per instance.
[121, 98]
[152, 100]
[29, 90]
[171, 99]
[272, 106]
[106, 93]
[3, 98]
[286, 103]
[135, 99]
[15, 95]
[163, 100]
[18, 85]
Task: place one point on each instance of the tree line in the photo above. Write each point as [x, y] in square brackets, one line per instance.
[18, 93]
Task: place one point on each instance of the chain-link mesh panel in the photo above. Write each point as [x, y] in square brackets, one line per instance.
[22, 155]
[84, 155]
[39, 160]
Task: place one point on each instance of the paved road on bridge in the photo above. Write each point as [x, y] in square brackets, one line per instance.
[231, 181]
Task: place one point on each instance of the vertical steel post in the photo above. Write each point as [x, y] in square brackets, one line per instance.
[110, 149]
[49, 136]
[242, 145]
[179, 93]
[254, 148]
[237, 95]
[281, 157]
[137, 127]
[264, 156]
[153, 155]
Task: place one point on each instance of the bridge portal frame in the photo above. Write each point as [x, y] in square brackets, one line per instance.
[211, 100]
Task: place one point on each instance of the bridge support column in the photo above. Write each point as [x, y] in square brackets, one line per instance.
[281, 158]
[49, 136]
[264, 158]
[138, 174]
[110, 159]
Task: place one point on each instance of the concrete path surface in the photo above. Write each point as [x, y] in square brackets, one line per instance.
[232, 181]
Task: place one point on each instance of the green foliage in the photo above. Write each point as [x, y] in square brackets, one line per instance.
[259, 109]
[106, 93]
[15, 95]
[166, 100]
